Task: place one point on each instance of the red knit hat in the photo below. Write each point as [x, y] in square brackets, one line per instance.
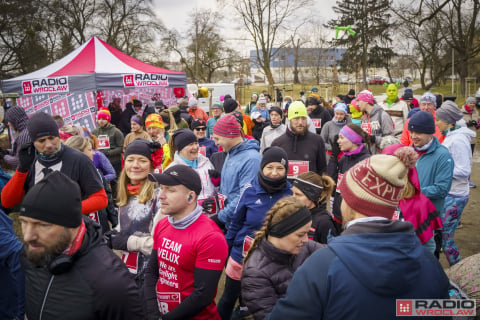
[104, 114]
[374, 186]
[227, 127]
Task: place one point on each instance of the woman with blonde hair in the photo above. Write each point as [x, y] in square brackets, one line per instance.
[314, 190]
[278, 250]
[137, 201]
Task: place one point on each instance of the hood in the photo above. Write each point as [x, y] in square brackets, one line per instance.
[247, 144]
[463, 131]
[375, 110]
[392, 250]
[17, 117]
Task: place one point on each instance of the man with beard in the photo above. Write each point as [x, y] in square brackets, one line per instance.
[305, 150]
[47, 154]
[69, 271]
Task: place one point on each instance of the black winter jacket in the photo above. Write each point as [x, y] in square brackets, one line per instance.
[98, 286]
[320, 113]
[267, 273]
[309, 147]
[322, 225]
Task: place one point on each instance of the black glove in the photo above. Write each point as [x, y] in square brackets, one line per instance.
[372, 139]
[26, 157]
[154, 145]
[209, 205]
[213, 173]
[119, 240]
[335, 149]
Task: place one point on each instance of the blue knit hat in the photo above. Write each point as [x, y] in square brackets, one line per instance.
[341, 107]
[422, 122]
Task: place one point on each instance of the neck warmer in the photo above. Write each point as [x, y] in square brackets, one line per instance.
[51, 159]
[186, 221]
[278, 125]
[133, 189]
[445, 132]
[271, 185]
[191, 163]
[339, 123]
[425, 147]
[356, 151]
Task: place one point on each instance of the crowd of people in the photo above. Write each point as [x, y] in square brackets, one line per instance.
[311, 210]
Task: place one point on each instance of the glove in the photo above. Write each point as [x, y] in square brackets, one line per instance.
[372, 139]
[119, 240]
[214, 177]
[209, 205]
[26, 157]
[154, 145]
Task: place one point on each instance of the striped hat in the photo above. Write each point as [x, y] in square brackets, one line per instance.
[374, 186]
[104, 114]
[228, 127]
[154, 120]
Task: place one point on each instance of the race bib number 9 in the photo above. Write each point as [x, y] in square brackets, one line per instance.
[297, 167]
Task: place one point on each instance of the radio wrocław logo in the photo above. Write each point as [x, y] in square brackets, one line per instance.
[435, 307]
[145, 80]
[45, 85]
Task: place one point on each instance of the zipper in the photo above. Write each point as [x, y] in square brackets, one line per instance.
[45, 297]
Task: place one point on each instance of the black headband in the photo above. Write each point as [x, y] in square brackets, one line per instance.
[291, 223]
[312, 191]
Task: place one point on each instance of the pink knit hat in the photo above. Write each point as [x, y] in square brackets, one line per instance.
[366, 96]
[227, 127]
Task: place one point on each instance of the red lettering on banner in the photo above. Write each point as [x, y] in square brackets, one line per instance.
[145, 80]
[80, 114]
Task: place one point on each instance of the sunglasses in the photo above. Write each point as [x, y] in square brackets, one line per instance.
[201, 129]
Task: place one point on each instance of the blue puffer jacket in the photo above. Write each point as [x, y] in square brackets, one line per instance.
[361, 274]
[248, 218]
[239, 169]
[435, 172]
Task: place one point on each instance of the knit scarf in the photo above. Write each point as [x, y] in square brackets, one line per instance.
[133, 189]
[271, 185]
[185, 222]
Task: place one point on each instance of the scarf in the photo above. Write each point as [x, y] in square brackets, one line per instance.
[186, 221]
[51, 159]
[271, 185]
[445, 132]
[355, 151]
[339, 123]
[133, 189]
[424, 148]
[191, 163]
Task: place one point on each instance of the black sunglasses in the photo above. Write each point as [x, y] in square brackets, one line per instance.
[201, 129]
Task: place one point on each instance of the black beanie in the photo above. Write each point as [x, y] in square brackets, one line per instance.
[41, 124]
[54, 199]
[274, 154]
[351, 92]
[140, 147]
[422, 121]
[182, 138]
[229, 105]
[276, 109]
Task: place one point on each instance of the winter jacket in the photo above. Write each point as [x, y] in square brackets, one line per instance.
[331, 130]
[11, 273]
[398, 111]
[458, 144]
[210, 124]
[103, 165]
[322, 114]
[258, 128]
[269, 134]
[249, 215]
[18, 118]
[267, 274]
[344, 164]
[240, 168]
[309, 147]
[127, 114]
[210, 146]
[323, 225]
[98, 285]
[116, 115]
[116, 140]
[406, 140]
[361, 274]
[379, 124]
[203, 165]
[198, 113]
[435, 172]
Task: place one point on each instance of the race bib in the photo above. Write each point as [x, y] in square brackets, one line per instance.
[339, 180]
[103, 142]
[167, 301]
[317, 123]
[367, 127]
[203, 151]
[131, 261]
[94, 216]
[297, 167]
[396, 215]
[221, 201]
[247, 244]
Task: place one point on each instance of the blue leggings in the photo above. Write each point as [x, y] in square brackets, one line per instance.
[453, 211]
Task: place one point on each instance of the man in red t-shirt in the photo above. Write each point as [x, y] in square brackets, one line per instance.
[189, 252]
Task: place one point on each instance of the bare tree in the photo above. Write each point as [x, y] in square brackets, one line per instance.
[263, 20]
[202, 52]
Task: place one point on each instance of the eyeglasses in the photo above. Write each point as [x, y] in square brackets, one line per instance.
[201, 129]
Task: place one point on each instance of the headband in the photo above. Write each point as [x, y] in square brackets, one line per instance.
[351, 135]
[291, 223]
[312, 191]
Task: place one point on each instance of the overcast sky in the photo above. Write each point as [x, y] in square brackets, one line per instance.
[174, 14]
